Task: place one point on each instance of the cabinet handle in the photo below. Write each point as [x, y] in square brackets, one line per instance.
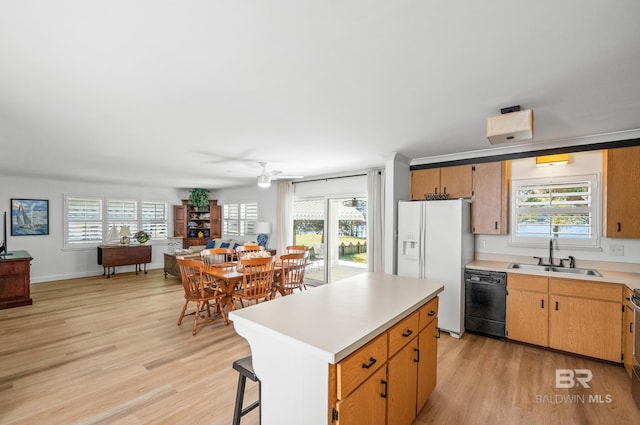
[496, 225]
[438, 333]
[417, 360]
[431, 313]
[619, 226]
[444, 189]
[383, 394]
[542, 303]
[372, 361]
[407, 333]
[435, 190]
[556, 305]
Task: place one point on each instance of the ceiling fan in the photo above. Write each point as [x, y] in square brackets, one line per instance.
[264, 179]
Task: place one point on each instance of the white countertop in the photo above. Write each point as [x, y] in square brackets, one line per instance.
[333, 320]
[632, 280]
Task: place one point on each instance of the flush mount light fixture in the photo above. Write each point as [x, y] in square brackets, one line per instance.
[512, 125]
[558, 159]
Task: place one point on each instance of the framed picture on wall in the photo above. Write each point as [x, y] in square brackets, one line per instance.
[29, 217]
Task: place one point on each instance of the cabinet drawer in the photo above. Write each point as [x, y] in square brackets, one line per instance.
[361, 364]
[428, 312]
[527, 282]
[586, 289]
[403, 332]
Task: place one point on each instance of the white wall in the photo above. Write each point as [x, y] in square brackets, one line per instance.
[50, 260]
[580, 163]
[267, 203]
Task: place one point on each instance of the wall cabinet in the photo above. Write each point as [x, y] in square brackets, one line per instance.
[528, 309]
[389, 380]
[457, 181]
[490, 205]
[621, 198]
[197, 225]
[577, 316]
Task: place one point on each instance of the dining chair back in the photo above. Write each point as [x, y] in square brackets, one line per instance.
[195, 290]
[292, 276]
[257, 280]
[216, 255]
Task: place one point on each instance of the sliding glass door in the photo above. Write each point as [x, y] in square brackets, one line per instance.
[335, 230]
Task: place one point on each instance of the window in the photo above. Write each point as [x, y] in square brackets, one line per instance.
[239, 219]
[83, 220]
[154, 219]
[564, 208]
[122, 213]
[86, 218]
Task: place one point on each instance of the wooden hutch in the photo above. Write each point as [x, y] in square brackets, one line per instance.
[197, 225]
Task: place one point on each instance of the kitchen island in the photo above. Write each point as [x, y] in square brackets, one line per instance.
[297, 340]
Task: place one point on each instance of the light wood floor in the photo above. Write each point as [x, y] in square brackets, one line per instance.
[108, 351]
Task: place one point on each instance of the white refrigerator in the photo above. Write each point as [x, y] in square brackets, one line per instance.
[435, 242]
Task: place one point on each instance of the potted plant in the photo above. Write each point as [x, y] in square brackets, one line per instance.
[199, 197]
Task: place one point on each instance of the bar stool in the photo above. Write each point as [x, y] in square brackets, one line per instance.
[244, 367]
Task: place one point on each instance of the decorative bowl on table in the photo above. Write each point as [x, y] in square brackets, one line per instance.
[141, 236]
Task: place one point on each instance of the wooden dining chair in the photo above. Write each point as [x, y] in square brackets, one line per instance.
[216, 255]
[292, 276]
[257, 280]
[292, 249]
[244, 249]
[197, 290]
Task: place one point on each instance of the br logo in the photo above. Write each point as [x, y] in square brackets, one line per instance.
[569, 378]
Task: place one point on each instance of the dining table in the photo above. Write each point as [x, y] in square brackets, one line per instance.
[228, 275]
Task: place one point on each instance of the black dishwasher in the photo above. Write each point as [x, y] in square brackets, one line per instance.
[485, 302]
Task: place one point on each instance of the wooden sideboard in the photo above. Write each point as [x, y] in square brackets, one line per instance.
[109, 257]
[15, 279]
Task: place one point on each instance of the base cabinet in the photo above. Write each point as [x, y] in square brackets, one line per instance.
[528, 309]
[403, 385]
[398, 389]
[367, 405]
[427, 363]
[577, 316]
[627, 332]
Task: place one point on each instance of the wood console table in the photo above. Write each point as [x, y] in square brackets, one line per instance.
[15, 279]
[123, 255]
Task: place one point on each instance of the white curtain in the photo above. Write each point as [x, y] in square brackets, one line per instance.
[284, 216]
[375, 217]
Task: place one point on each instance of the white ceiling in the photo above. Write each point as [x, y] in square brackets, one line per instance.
[169, 92]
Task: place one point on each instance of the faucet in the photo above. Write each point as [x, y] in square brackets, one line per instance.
[551, 252]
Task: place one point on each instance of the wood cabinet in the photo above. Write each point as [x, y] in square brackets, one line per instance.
[15, 279]
[490, 205]
[457, 181]
[527, 317]
[427, 352]
[403, 384]
[366, 405]
[621, 197]
[585, 318]
[389, 380]
[110, 257]
[627, 332]
[197, 225]
[577, 316]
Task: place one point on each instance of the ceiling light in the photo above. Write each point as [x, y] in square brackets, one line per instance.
[558, 159]
[264, 181]
[513, 125]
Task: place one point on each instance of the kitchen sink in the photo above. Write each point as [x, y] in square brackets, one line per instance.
[543, 268]
[588, 272]
[529, 267]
